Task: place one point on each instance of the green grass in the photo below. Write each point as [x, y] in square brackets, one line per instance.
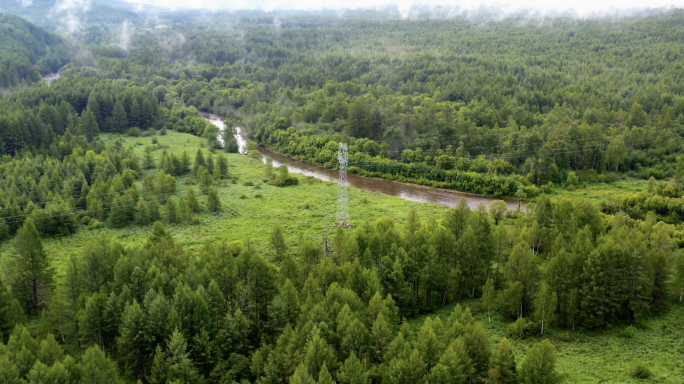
[594, 357]
[602, 356]
[602, 191]
[298, 209]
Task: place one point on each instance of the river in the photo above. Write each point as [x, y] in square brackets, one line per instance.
[412, 192]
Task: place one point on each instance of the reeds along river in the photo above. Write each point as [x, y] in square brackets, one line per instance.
[406, 191]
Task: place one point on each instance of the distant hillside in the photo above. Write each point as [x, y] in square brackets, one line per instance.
[27, 51]
[58, 15]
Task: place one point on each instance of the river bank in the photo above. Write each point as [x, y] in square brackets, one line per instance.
[407, 191]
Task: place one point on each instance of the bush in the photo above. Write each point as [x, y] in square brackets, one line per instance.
[95, 224]
[258, 196]
[135, 132]
[628, 332]
[163, 131]
[522, 328]
[640, 370]
[254, 154]
[248, 184]
[243, 196]
[154, 140]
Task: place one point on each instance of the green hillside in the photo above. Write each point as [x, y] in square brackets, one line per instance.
[27, 51]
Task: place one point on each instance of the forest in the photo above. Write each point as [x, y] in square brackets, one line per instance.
[138, 245]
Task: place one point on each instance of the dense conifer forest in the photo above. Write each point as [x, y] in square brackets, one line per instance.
[115, 194]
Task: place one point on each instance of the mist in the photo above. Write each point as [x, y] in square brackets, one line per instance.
[437, 8]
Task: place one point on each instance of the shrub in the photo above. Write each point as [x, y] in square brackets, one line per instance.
[243, 196]
[248, 184]
[628, 332]
[95, 224]
[154, 140]
[522, 328]
[258, 196]
[640, 370]
[163, 131]
[135, 132]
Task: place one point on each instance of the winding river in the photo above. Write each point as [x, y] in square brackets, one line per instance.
[412, 192]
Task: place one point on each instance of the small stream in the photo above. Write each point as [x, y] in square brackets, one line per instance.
[412, 192]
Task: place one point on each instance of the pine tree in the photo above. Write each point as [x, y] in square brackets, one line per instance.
[119, 118]
[49, 351]
[185, 163]
[539, 366]
[222, 165]
[477, 346]
[87, 125]
[213, 202]
[32, 271]
[94, 107]
[352, 372]
[301, 376]
[180, 366]
[318, 352]
[381, 336]
[427, 343]
[132, 343]
[96, 368]
[199, 161]
[278, 243]
[503, 369]
[134, 115]
[8, 371]
[324, 377]
[148, 161]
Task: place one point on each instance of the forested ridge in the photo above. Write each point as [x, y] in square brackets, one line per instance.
[510, 108]
[28, 51]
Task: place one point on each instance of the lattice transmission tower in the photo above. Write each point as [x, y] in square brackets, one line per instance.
[343, 197]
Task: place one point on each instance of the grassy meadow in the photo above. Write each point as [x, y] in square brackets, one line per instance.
[606, 356]
[250, 211]
[300, 209]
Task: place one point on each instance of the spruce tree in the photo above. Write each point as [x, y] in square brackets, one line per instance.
[213, 202]
[318, 352]
[539, 366]
[503, 369]
[199, 161]
[301, 376]
[180, 367]
[96, 368]
[33, 275]
[119, 118]
[324, 377]
[352, 372]
[278, 243]
[87, 125]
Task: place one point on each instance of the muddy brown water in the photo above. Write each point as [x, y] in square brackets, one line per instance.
[407, 191]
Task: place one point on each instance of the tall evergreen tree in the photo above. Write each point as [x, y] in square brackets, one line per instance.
[32, 273]
[87, 125]
[503, 369]
[119, 118]
[539, 366]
